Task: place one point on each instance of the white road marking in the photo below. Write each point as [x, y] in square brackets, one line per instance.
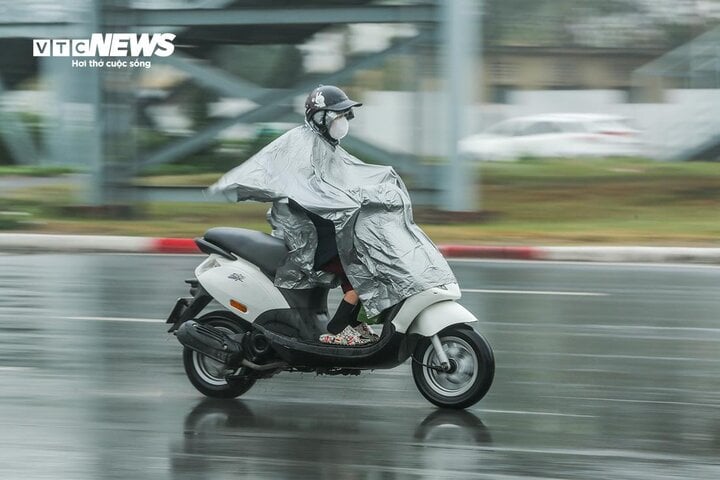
[588, 263]
[528, 412]
[609, 356]
[566, 326]
[627, 400]
[114, 319]
[535, 292]
[581, 452]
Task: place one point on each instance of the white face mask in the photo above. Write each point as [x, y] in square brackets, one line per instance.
[339, 128]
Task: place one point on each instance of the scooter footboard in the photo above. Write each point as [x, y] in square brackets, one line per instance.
[380, 354]
[439, 316]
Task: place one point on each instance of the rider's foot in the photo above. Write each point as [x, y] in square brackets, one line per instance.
[349, 336]
[366, 332]
[345, 313]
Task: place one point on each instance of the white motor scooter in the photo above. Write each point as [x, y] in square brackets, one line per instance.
[265, 329]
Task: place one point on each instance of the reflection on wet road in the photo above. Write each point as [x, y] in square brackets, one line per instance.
[603, 371]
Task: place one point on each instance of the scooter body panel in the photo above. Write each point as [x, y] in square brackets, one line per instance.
[242, 282]
[415, 304]
[439, 316]
[425, 314]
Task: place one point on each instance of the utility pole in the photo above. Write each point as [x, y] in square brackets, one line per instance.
[461, 29]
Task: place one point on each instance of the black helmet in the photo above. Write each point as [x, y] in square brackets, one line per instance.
[328, 98]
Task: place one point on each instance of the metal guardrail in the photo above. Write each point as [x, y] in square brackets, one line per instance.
[309, 15]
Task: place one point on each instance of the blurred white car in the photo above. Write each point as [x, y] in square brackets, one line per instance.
[554, 135]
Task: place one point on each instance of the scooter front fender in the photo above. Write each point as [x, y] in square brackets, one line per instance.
[439, 316]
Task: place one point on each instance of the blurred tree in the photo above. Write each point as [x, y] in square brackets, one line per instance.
[271, 66]
[196, 104]
[621, 23]
[546, 21]
[16, 64]
[5, 156]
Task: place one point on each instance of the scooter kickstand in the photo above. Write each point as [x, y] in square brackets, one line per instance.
[444, 362]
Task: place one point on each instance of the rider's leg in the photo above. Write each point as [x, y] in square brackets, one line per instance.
[351, 297]
[349, 306]
[347, 312]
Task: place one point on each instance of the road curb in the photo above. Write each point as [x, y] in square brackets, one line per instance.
[39, 243]
[481, 251]
[633, 254]
[174, 245]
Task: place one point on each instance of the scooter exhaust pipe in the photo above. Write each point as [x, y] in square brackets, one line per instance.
[260, 344]
[210, 341]
[256, 346]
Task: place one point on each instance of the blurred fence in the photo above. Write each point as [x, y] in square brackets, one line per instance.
[421, 73]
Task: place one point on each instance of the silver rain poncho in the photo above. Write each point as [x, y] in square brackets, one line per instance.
[385, 255]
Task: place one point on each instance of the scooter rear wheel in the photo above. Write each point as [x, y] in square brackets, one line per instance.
[472, 368]
[208, 375]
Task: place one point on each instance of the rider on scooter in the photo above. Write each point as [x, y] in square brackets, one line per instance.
[342, 220]
[328, 111]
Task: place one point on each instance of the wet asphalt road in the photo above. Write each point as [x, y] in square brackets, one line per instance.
[603, 371]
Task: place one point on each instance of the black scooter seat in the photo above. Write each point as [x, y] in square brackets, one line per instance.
[261, 249]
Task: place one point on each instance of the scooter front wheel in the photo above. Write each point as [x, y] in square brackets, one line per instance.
[472, 368]
[208, 375]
